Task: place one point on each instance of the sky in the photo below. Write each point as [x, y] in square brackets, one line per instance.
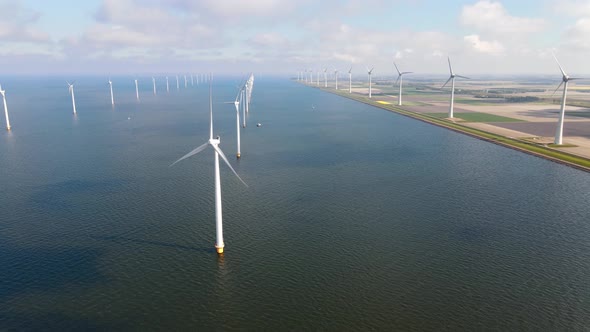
[283, 37]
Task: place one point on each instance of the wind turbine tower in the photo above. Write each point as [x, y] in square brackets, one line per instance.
[71, 90]
[154, 83]
[336, 75]
[3, 92]
[177, 84]
[136, 90]
[370, 72]
[167, 85]
[325, 77]
[400, 79]
[214, 143]
[236, 103]
[452, 80]
[564, 81]
[111, 88]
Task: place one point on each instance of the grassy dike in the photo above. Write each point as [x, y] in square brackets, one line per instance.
[517, 144]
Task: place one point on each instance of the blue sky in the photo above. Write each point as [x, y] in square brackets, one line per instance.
[283, 36]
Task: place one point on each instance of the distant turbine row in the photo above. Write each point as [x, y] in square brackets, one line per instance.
[71, 91]
[302, 75]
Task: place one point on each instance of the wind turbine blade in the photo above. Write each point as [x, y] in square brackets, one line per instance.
[560, 68]
[450, 78]
[462, 77]
[397, 69]
[371, 71]
[398, 76]
[227, 162]
[350, 70]
[210, 108]
[575, 78]
[190, 154]
[450, 67]
[407, 72]
[559, 86]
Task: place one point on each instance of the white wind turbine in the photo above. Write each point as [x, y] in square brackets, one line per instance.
[236, 103]
[243, 98]
[336, 74]
[71, 91]
[248, 95]
[192, 80]
[3, 92]
[452, 80]
[136, 90]
[350, 80]
[400, 78]
[325, 77]
[185, 82]
[564, 80]
[177, 84]
[214, 143]
[370, 72]
[111, 88]
[167, 85]
[154, 83]
[318, 77]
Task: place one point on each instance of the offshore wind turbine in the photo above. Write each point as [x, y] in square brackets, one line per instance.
[248, 95]
[177, 84]
[192, 80]
[318, 77]
[400, 78]
[243, 97]
[3, 92]
[336, 75]
[350, 80]
[111, 88]
[71, 91]
[370, 72]
[136, 90]
[167, 85]
[564, 81]
[154, 83]
[185, 81]
[452, 80]
[325, 77]
[214, 143]
[236, 103]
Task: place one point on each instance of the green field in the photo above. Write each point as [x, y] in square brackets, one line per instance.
[477, 117]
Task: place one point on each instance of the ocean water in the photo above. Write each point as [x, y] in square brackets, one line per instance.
[354, 218]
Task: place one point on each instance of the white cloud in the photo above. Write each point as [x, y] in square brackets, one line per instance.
[492, 18]
[575, 8]
[482, 46]
[575, 37]
[17, 23]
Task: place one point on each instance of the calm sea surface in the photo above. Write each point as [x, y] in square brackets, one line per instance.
[355, 218]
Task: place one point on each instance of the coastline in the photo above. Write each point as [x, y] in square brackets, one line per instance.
[530, 148]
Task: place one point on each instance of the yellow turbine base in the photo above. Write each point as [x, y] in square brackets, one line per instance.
[219, 250]
[238, 155]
